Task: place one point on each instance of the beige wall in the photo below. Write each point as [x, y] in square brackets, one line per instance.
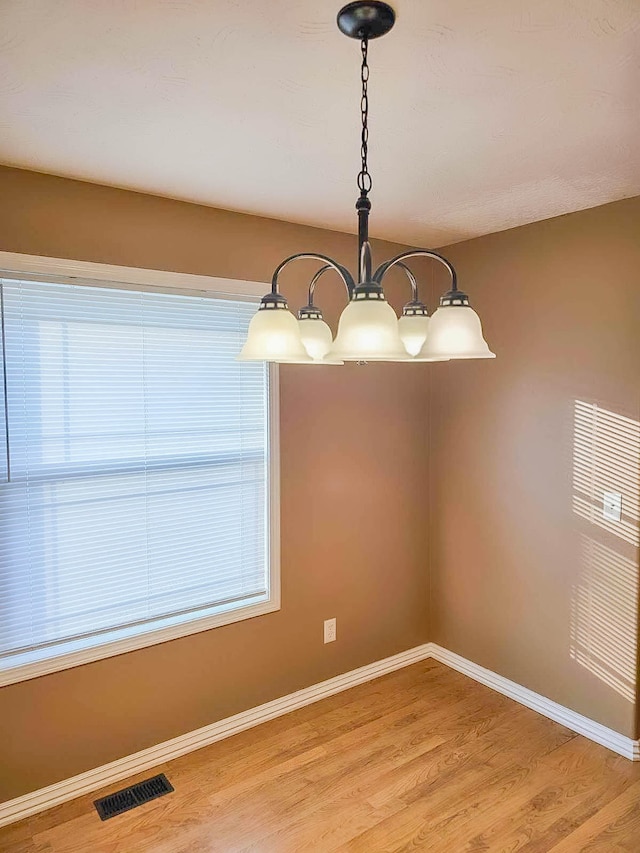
[354, 465]
[526, 578]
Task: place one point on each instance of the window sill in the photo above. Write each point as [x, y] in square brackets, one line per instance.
[94, 648]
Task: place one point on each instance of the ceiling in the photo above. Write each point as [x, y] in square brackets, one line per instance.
[484, 115]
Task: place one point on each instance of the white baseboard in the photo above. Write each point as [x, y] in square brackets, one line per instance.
[565, 716]
[84, 783]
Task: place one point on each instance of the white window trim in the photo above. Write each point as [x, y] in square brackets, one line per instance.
[85, 272]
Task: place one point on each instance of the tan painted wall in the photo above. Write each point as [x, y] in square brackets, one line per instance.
[354, 468]
[524, 581]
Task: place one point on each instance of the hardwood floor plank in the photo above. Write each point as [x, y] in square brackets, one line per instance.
[441, 814]
[585, 836]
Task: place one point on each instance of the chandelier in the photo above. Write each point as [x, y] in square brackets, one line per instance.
[368, 329]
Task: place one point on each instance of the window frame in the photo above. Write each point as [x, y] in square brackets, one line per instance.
[15, 265]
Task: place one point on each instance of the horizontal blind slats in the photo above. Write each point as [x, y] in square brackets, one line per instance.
[139, 460]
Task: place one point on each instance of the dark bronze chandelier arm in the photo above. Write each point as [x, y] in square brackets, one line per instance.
[412, 281]
[314, 281]
[365, 263]
[416, 253]
[343, 272]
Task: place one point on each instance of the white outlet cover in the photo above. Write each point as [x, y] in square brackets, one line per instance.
[329, 630]
[612, 506]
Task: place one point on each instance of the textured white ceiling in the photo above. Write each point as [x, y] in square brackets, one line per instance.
[484, 114]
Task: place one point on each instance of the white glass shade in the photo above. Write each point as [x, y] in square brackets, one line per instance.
[274, 336]
[316, 337]
[454, 332]
[368, 331]
[413, 331]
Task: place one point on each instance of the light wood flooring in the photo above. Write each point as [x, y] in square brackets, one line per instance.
[422, 759]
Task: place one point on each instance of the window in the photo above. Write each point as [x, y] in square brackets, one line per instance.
[135, 493]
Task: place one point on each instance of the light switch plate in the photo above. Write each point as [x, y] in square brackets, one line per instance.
[612, 506]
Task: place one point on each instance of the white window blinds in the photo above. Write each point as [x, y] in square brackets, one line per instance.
[134, 489]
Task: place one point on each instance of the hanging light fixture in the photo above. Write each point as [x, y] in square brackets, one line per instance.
[368, 329]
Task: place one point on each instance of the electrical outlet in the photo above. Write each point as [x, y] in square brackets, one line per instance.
[329, 630]
[612, 506]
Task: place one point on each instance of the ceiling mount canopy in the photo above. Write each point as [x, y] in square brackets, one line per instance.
[369, 329]
[366, 20]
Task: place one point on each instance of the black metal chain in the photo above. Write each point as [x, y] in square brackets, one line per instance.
[364, 178]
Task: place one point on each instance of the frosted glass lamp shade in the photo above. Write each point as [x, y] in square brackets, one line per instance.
[316, 336]
[274, 336]
[454, 332]
[413, 331]
[368, 331]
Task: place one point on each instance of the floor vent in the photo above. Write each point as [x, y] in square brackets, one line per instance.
[133, 796]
